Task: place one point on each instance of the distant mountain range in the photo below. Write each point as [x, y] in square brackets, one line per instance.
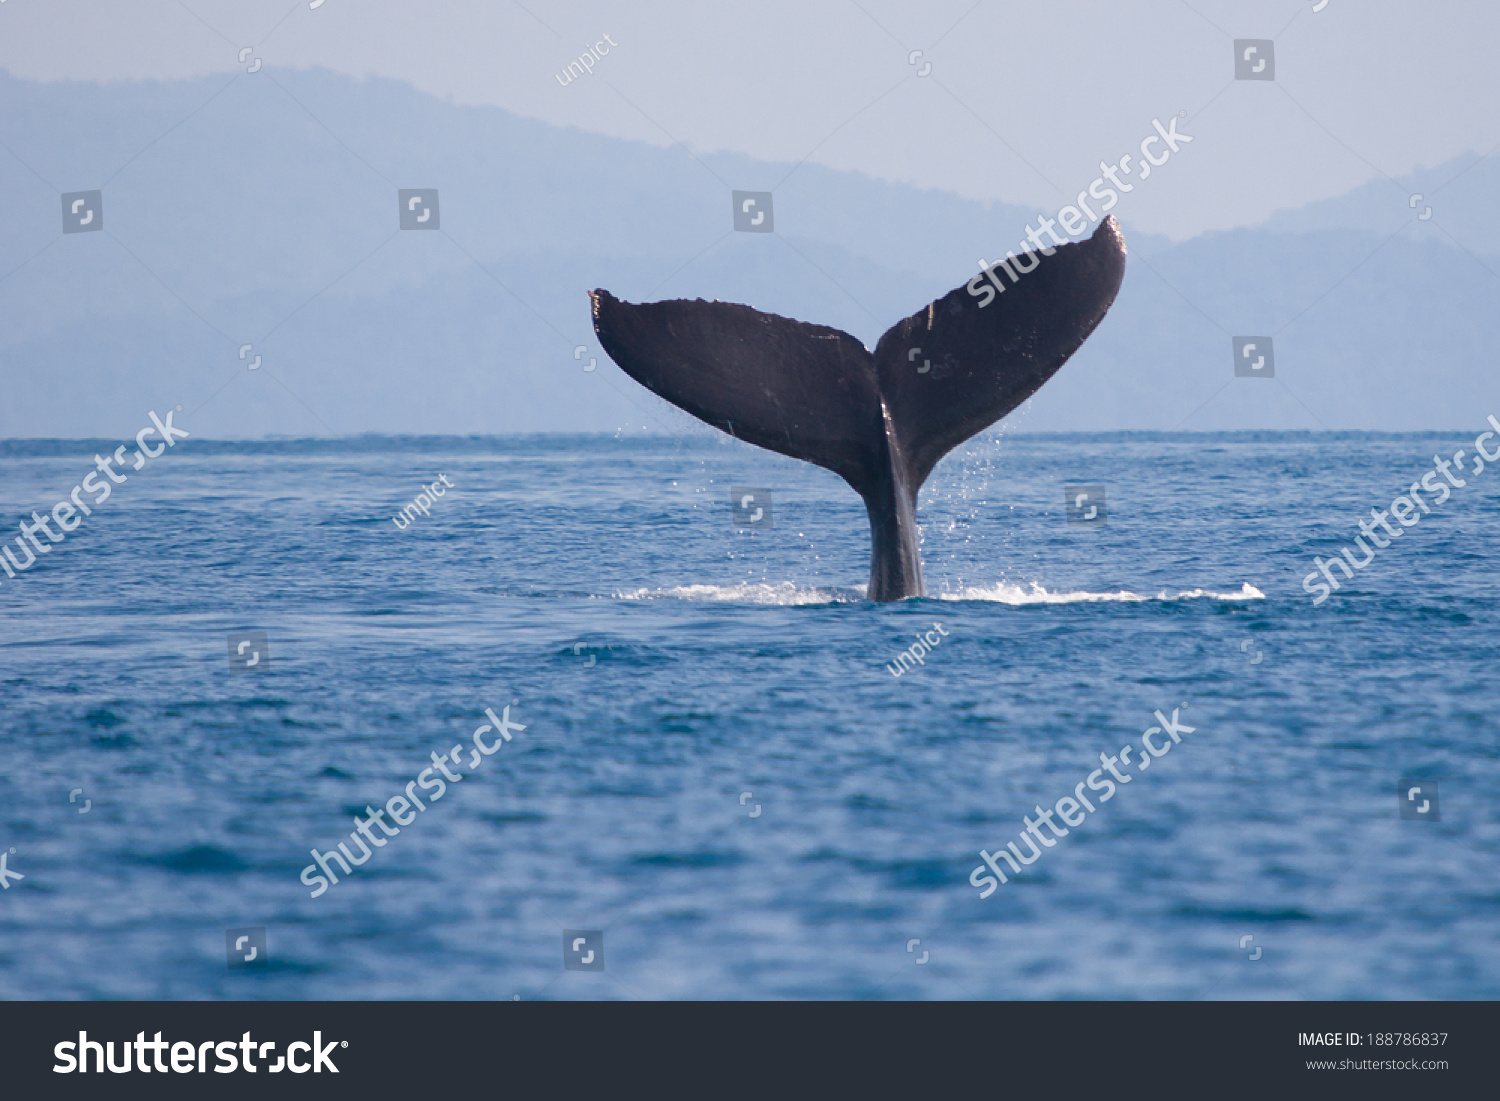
[262, 210]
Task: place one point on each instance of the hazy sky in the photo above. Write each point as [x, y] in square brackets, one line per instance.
[1021, 102]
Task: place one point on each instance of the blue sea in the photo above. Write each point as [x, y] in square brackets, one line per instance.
[720, 783]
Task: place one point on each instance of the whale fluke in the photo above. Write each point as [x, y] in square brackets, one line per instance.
[881, 420]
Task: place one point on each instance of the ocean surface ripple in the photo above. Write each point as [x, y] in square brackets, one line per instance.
[719, 769]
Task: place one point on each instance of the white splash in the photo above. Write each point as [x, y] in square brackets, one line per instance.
[785, 593]
[789, 594]
[1004, 593]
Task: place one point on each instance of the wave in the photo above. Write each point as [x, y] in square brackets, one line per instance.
[789, 594]
[1004, 593]
[784, 593]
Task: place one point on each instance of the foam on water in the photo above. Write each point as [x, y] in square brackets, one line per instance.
[786, 593]
[1006, 593]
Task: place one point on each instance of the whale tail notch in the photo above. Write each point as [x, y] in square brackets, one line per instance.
[880, 420]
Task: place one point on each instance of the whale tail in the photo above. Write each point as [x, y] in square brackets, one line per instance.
[880, 420]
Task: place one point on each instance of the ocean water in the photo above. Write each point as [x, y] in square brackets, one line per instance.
[719, 771]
